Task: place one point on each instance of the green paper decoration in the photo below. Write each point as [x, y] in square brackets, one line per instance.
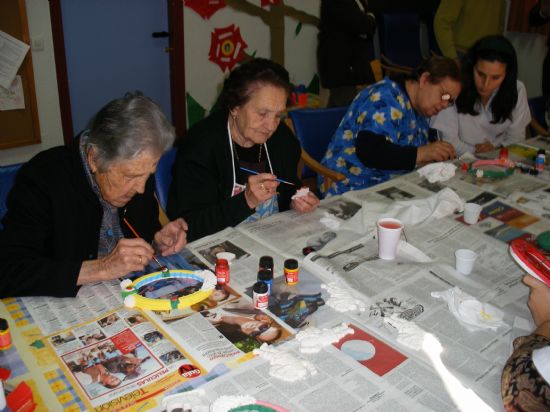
[195, 111]
[314, 87]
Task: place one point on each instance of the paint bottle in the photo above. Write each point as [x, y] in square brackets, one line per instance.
[260, 296]
[266, 262]
[539, 160]
[291, 271]
[266, 276]
[5, 335]
[222, 271]
[503, 153]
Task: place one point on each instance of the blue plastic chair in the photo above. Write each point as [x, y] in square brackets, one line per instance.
[314, 129]
[538, 106]
[163, 176]
[7, 177]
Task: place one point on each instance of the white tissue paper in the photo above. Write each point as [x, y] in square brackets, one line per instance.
[410, 212]
[284, 365]
[312, 340]
[437, 172]
[470, 312]
[409, 335]
[467, 157]
[343, 298]
[303, 191]
[331, 221]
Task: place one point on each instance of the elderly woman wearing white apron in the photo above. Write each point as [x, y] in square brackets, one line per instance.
[210, 189]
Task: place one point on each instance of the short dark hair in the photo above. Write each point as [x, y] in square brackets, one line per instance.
[495, 48]
[438, 67]
[242, 81]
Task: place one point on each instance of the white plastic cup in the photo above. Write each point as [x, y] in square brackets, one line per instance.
[389, 232]
[471, 213]
[2, 396]
[465, 259]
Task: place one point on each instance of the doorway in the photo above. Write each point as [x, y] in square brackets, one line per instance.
[106, 48]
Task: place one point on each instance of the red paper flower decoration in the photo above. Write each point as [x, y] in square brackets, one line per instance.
[269, 2]
[227, 47]
[205, 8]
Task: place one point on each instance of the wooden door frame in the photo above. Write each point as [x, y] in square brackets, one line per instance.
[177, 68]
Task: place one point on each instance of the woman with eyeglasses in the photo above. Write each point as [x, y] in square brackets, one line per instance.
[385, 130]
[492, 109]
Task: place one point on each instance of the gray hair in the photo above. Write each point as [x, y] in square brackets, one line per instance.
[126, 127]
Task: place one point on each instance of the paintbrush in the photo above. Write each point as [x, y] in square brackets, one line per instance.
[161, 266]
[257, 173]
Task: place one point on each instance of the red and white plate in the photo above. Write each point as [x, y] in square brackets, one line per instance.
[531, 259]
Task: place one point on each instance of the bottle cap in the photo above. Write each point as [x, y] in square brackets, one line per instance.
[265, 275]
[291, 264]
[260, 287]
[266, 262]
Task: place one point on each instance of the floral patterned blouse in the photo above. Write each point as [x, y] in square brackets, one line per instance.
[383, 109]
[523, 388]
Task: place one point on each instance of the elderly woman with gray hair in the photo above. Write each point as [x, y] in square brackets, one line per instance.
[65, 221]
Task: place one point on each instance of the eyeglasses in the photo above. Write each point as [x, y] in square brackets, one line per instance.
[447, 97]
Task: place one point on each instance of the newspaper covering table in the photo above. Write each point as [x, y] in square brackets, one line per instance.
[64, 347]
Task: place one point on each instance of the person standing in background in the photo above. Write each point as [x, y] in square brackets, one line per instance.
[345, 33]
[458, 24]
[539, 16]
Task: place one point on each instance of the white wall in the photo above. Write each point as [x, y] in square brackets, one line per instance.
[204, 78]
[38, 12]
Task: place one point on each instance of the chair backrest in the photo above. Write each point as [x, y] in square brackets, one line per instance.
[400, 38]
[7, 177]
[538, 106]
[163, 176]
[315, 128]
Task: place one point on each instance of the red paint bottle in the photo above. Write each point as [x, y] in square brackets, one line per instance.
[222, 271]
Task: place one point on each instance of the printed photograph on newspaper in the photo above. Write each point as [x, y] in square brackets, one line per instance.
[120, 359]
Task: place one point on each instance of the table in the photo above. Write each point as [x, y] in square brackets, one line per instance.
[378, 367]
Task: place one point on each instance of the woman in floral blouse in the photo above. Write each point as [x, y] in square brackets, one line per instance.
[385, 130]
